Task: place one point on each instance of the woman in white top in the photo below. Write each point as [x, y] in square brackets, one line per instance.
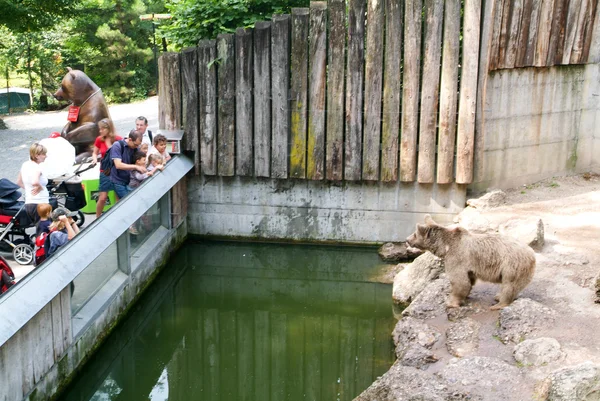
[32, 180]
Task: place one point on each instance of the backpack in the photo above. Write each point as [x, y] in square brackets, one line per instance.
[40, 248]
[106, 164]
[150, 136]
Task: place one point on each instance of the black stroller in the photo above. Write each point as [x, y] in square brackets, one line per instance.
[13, 223]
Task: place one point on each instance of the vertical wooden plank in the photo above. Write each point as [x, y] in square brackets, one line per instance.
[262, 354]
[582, 25]
[468, 92]
[354, 90]
[571, 30]
[189, 88]
[504, 33]
[589, 30]
[449, 92]
[548, 33]
[390, 125]
[523, 37]
[169, 92]
[434, 14]
[496, 31]
[207, 105]
[262, 99]
[532, 38]
[41, 326]
[58, 344]
[14, 358]
[67, 333]
[513, 34]
[373, 84]
[226, 105]
[279, 356]
[280, 83]
[410, 89]
[556, 39]
[27, 353]
[299, 92]
[317, 77]
[244, 78]
[335, 89]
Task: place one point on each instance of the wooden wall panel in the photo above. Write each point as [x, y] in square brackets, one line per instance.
[189, 87]
[244, 78]
[207, 105]
[169, 90]
[262, 99]
[226, 105]
[280, 83]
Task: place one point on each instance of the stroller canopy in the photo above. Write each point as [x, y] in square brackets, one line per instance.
[9, 191]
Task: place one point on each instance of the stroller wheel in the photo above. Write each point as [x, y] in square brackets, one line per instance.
[23, 254]
[79, 219]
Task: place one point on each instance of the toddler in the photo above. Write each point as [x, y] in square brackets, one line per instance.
[43, 210]
[139, 159]
[155, 161]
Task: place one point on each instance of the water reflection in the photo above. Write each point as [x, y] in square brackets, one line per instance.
[232, 321]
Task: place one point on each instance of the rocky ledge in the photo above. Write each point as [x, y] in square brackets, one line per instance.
[544, 346]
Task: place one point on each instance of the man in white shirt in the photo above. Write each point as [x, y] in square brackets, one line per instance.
[141, 125]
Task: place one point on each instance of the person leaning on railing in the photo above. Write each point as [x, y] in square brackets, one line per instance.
[62, 230]
[103, 143]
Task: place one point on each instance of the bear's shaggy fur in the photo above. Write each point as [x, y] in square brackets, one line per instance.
[468, 257]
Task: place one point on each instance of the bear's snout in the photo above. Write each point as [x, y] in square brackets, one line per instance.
[58, 95]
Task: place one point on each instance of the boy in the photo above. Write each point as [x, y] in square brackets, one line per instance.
[62, 230]
[139, 159]
[160, 147]
[41, 232]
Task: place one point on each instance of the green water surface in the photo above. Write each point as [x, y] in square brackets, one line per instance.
[236, 321]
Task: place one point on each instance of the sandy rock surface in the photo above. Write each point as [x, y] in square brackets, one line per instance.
[544, 346]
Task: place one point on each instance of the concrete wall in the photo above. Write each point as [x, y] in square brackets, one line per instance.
[538, 122]
[305, 210]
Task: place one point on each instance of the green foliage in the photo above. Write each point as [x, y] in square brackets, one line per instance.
[33, 15]
[205, 19]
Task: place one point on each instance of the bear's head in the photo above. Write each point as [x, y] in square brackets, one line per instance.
[75, 87]
[434, 238]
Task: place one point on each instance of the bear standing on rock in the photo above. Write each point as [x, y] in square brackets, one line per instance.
[468, 257]
[82, 92]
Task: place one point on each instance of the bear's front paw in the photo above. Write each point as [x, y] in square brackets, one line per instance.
[452, 304]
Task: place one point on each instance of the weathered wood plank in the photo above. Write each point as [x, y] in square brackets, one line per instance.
[226, 105]
[513, 33]
[468, 92]
[67, 328]
[523, 36]
[551, 33]
[532, 37]
[280, 83]
[207, 105]
[262, 99]
[449, 92]
[504, 33]
[27, 336]
[589, 29]
[335, 88]
[410, 89]
[169, 91]
[354, 90]
[317, 77]
[496, 30]
[299, 91]
[571, 30]
[189, 87]
[541, 53]
[390, 126]
[373, 84]
[434, 17]
[244, 77]
[43, 349]
[582, 23]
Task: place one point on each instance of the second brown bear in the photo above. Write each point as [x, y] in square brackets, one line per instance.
[468, 257]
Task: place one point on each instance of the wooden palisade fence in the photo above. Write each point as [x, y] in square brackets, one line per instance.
[357, 90]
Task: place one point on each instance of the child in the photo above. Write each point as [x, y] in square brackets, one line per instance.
[155, 161]
[160, 147]
[139, 159]
[62, 229]
[144, 147]
[41, 232]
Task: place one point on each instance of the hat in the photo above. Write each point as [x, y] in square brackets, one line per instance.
[62, 211]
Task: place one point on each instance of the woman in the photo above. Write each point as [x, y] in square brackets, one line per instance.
[103, 143]
[32, 180]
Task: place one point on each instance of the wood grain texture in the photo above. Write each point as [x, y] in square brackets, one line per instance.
[512, 42]
[169, 92]
[335, 90]
[262, 99]
[299, 92]
[189, 86]
[226, 105]
[244, 79]
[207, 105]
[280, 83]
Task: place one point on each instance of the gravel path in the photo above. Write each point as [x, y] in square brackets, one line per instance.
[26, 128]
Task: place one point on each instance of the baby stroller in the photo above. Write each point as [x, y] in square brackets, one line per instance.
[69, 192]
[13, 223]
[7, 277]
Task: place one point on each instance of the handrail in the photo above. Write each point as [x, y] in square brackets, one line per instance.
[40, 286]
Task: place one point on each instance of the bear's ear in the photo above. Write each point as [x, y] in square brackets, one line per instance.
[429, 221]
[73, 75]
[422, 230]
[69, 69]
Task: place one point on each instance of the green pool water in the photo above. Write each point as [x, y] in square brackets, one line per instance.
[237, 321]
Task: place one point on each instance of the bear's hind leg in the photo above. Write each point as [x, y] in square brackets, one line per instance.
[507, 294]
[460, 289]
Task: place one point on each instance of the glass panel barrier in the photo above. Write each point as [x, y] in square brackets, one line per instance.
[90, 280]
[141, 230]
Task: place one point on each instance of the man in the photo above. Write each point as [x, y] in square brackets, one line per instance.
[121, 154]
[141, 126]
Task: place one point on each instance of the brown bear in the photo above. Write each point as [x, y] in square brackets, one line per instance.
[82, 92]
[468, 257]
